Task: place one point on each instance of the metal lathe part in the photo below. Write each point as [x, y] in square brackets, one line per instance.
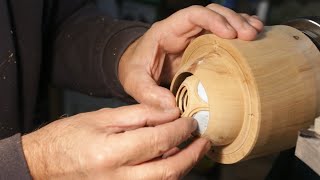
[310, 26]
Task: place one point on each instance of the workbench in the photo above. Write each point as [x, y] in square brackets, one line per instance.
[308, 146]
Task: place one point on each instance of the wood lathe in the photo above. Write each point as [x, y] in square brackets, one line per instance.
[252, 98]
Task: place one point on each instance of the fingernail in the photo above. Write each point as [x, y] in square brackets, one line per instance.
[195, 124]
[208, 146]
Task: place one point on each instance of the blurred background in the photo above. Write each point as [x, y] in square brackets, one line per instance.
[271, 12]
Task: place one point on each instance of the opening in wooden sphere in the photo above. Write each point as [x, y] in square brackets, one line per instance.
[208, 95]
[259, 95]
[192, 101]
[182, 98]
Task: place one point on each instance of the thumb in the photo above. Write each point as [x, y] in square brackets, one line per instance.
[145, 90]
[139, 69]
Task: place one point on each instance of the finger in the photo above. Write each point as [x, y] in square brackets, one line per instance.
[176, 166]
[253, 21]
[212, 21]
[145, 90]
[138, 79]
[244, 30]
[147, 143]
[187, 24]
[135, 116]
[202, 17]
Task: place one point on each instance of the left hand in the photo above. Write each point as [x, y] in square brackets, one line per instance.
[153, 59]
[114, 144]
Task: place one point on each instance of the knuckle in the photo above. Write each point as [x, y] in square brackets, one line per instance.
[213, 5]
[244, 15]
[192, 11]
[104, 110]
[194, 7]
[98, 159]
[170, 174]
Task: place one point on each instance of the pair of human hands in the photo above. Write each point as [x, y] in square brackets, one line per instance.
[138, 141]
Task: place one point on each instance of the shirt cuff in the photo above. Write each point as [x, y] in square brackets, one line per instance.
[13, 164]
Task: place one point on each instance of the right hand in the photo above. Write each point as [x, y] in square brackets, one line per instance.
[132, 142]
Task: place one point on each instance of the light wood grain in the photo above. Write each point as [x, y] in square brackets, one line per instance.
[261, 93]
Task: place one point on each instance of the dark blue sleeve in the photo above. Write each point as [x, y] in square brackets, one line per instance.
[12, 161]
[87, 50]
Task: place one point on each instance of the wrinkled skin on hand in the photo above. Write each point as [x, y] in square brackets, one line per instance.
[139, 141]
[154, 58]
[132, 142]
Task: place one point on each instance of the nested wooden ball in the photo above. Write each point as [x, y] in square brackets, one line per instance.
[250, 98]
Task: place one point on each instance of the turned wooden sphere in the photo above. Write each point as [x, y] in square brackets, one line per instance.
[250, 98]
